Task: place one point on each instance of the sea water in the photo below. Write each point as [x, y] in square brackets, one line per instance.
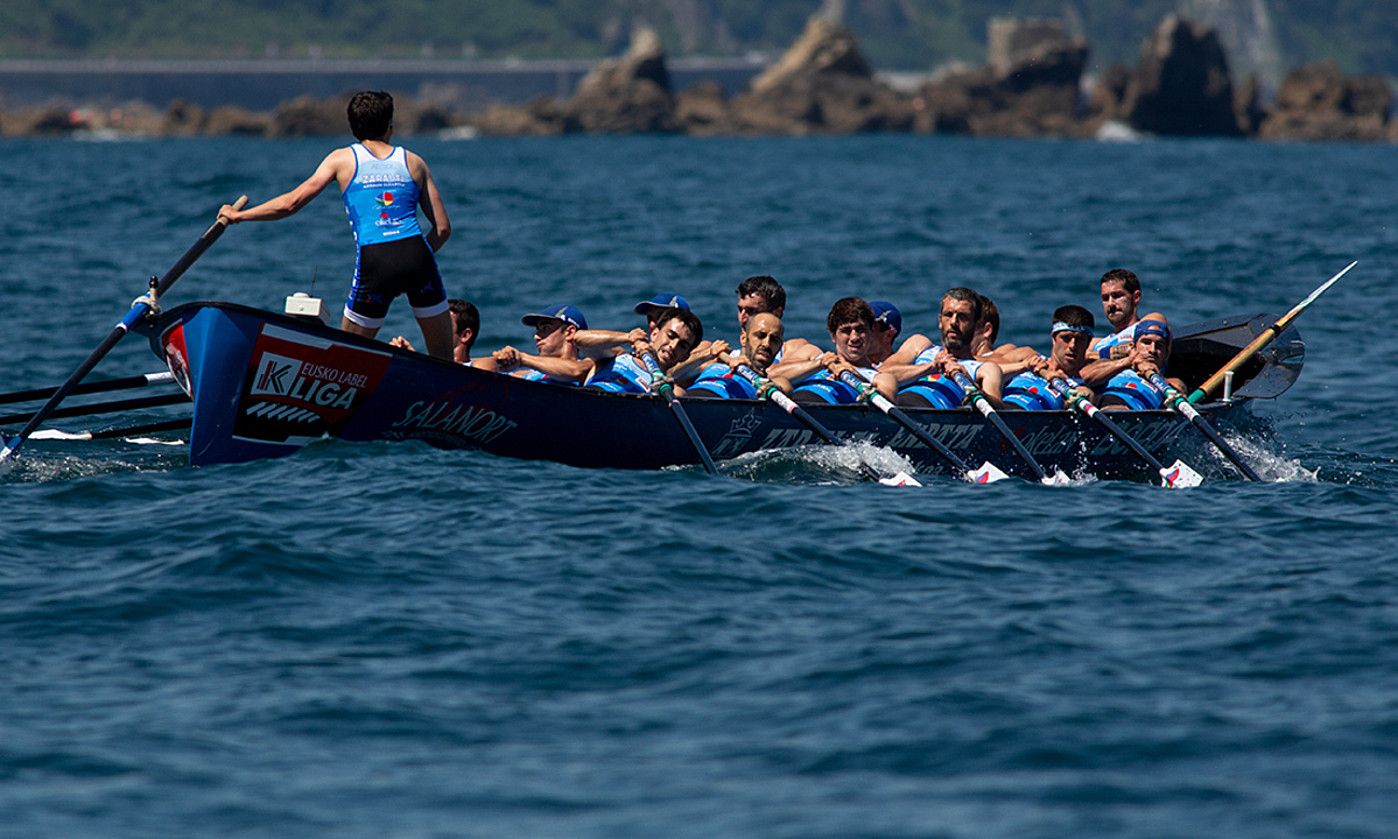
[390, 640]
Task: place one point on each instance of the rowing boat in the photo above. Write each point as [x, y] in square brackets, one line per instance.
[265, 384]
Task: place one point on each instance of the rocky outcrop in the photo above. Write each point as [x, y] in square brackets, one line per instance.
[628, 95]
[1318, 102]
[1030, 88]
[1181, 84]
[821, 84]
[306, 116]
[231, 120]
[702, 110]
[541, 117]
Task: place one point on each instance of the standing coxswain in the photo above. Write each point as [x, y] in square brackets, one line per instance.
[383, 187]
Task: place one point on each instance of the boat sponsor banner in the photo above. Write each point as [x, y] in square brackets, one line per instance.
[301, 387]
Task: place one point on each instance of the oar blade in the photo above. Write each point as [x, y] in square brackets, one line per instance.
[902, 479]
[1059, 478]
[988, 473]
[1179, 475]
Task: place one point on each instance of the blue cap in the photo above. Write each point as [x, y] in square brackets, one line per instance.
[887, 314]
[1151, 327]
[664, 300]
[567, 314]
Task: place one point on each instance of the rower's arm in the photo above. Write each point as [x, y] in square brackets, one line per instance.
[795, 369]
[1099, 372]
[705, 354]
[604, 339]
[432, 205]
[991, 380]
[1013, 360]
[904, 373]
[574, 370]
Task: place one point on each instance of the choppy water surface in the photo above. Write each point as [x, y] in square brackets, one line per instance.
[390, 640]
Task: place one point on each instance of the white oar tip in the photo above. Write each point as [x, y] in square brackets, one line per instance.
[902, 479]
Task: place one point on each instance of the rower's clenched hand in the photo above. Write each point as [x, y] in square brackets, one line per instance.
[228, 214]
[719, 349]
[506, 358]
[828, 360]
[1039, 366]
[401, 343]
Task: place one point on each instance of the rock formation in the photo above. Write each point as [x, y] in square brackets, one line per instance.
[1030, 88]
[1181, 84]
[630, 94]
[1318, 102]
[821, 84]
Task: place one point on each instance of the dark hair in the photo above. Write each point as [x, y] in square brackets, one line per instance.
[990, 313]
[766, 287]
[467, 316]
[1073, 315]
[1120, 275]
[849, 310]
[687, 318]
[370, 114]
[966, 295]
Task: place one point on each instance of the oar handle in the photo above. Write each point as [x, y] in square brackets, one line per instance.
[659, 382]
[657, 377]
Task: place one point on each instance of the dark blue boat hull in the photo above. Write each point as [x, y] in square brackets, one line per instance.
[264, 385]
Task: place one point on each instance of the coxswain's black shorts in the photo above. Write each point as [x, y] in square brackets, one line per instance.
[386, 270]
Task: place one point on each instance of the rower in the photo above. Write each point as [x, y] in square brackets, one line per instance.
[557, 360]
[1013, 359]
[603, 344]
[383, 188]
[762, 293]
[677, 331]
[1131, 389]
[1071, 333]
[1121, 302]
[465, 326]
[924, 380]
[888, 324]
[657, 304]
[815, 374]
[761, 341]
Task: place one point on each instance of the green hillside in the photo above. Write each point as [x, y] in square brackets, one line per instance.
[898, 34]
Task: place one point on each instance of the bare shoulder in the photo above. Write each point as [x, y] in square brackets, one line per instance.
[417, 166]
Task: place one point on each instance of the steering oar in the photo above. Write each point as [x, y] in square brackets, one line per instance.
[140, 307]
[1260, 343]
[667, 390]
[765, 389]
[1178, 475]
[987, 473]
[993, 416]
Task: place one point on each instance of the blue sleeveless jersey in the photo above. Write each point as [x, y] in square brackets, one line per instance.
[832, 390]
[721, 381]
[941, 391]
[1032, 392]
[624, 374]
[533, 375]
[381, 198]
[1103, 348]
[1135, 392]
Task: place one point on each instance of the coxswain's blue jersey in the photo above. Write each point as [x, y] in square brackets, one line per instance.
[1134, 392]
[721, 381]
[1103, 347]
[1032, 392]
[623, 374]
[381, 198]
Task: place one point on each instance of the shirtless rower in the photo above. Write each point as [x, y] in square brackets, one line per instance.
[557, 360]
[1071, 333]
[1131, 389]
[1121, 302]
[383, 187]
[676, 332]
[761, 341]
[815, 375]
[465, 326]
[1011, 358]
[920, 373]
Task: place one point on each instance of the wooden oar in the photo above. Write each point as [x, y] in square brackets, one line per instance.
[988, 472]
[1178, 475]
[1176, 400]
[108, 386]
[667, 390]
[993, 416]
[100, 408]
[1261, 341]
[139, 309]
[765, 389]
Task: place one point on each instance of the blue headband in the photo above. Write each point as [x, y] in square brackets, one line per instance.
[1158, 328]
[1060, 326]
